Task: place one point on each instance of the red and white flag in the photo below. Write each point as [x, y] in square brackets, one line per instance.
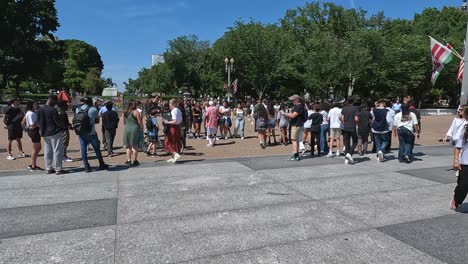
[225, 86]
[234, 86]
[461, 69]
[441, 55]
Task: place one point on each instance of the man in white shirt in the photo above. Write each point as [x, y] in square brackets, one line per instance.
[335, 129]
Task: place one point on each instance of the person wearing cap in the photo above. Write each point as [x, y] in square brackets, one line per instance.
[92, 137]
[211, 123]
[296, 122]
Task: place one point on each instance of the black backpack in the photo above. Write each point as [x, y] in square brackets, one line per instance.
[149, 124]
[82, 122]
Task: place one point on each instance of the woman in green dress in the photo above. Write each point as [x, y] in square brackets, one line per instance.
[133, 127]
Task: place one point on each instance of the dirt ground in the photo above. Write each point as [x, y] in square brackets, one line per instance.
[433, 129]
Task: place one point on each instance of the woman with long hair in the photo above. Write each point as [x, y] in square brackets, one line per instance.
[225, 120]
[133, 128]
[262, 118]
[460, 163]
[271, 123]
[32, 128]
[405, 127]
[283, 125]
[197, 120]
[306, 138]
[240, 120]
[458, 124]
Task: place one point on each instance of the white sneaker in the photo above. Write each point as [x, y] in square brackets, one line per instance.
[171, 160]
[338, 154]
[349, 158]
[176, 157]
[380, 155]
[242, 138]
[346, 161]
[67, 159]
[22, 155]
[226, 138]
[10, 157]
[330, 155]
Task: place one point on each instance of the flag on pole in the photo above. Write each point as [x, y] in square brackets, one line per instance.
[461, 69]
[441, 55]
[234, 86]
[225, 86]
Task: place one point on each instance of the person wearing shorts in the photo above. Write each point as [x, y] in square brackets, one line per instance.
[297, 124]
[211, 123]
[13, 118]
[335, 129]
[32, 128]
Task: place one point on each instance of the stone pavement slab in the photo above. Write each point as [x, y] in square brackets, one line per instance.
[84, 246]
[282, 162]
[368, 246]
[201, 201]
[443, 174]
[444, 237]
[40, 219]
[355, 184]
[57, 194]
[192, 237]
[393, 207]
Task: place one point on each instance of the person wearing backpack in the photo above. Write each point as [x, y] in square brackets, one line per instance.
[51, 130]
[152, 128]
[297, 117]
[13, 119]
[84, 125]
[110, 123]
[380, 128]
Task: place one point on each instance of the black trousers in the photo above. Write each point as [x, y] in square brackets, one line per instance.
[347, 136]
[110, 136]
[462, 185]
[315, 141]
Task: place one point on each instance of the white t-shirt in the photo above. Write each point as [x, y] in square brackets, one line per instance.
[176, 115]
[325, 119]
[308, 123]
[31, 118]
[413, 120]
[334, 116]
[225, 111]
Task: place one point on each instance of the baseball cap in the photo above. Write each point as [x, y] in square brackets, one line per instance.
[294, 97]
[210, 103]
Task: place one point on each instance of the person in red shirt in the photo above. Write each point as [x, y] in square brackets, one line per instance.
[211, 123]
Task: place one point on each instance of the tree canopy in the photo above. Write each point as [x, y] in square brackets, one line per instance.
[320, 48]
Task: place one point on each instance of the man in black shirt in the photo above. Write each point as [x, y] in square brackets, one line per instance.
[51, 130]
[364, 125]
[296, 123]
[110, 122]
[349, 119]
[12, 119]
[317, 118]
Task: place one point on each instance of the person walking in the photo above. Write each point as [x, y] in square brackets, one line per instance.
[110, 122]
[211, 123]
[152, 128]
[172, 141]
[405, 128]
[51, 129]
[62, 107]
[458, 123]
[262, 124]
[324, 128]
[349, 117]
[380, 128]
[335, 129]
[12, 119]
[296, 122]
[460, 163]
[315, 129]
[364, 126]
[32, 128]
[131, 138]
[240, 121]
[88, 136]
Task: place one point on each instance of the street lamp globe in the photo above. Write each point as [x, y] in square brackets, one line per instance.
[226, 60]
[232, 60]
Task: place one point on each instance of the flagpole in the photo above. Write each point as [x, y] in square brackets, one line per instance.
[464, 89]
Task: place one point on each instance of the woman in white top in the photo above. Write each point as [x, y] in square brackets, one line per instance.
[32, 128]
[307, 126]
[458, 123]
[240, 121]
[405, 126]
[324, 129]
[225, 120]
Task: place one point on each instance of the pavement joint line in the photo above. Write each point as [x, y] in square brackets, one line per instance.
[116, 217]
[291, 243]
[65, 203]
[59, 231]
[182, 217]
[57, 185]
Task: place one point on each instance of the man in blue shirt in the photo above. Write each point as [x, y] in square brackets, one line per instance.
[91, 137]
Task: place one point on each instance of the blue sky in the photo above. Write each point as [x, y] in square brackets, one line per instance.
[127, 32]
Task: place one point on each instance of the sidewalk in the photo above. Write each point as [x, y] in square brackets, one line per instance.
[238, 210]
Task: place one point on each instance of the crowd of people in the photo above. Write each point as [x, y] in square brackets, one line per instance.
[331, 130]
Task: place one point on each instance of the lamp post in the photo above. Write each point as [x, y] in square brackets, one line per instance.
[229, 63]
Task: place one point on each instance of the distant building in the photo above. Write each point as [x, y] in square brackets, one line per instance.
[156, 59]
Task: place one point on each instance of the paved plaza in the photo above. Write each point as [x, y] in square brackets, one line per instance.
[239, 210]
